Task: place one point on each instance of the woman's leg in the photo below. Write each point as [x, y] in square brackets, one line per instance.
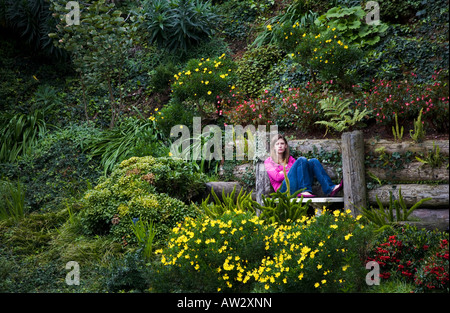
[322, 176]
[300, 176]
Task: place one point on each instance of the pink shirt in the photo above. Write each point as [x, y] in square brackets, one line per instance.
[275, 171]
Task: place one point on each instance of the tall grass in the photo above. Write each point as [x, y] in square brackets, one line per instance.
[118, 143]
[20, 135]
[12, 200]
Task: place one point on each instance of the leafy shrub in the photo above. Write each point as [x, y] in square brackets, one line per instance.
[254, 69]
[237, 252]
[411, 255]
[147, 188]
[179, 24]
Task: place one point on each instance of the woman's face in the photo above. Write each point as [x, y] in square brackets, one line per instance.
[280, 146]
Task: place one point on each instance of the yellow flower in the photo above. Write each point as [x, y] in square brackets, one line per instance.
[316, 285]
[170, 154]
[209, 92]
[207, 82]
[344, 268]
[319, 267]
[323, 281]
[300, 277]
[347, 237]
[197, 266]
[269, 27]
[345, 47]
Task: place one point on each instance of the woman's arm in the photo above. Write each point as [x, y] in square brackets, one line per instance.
[274, 171]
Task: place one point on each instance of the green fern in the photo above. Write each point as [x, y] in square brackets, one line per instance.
[341, 117]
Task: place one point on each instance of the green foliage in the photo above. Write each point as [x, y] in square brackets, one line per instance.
[254, 69]
[341, 117]
[180, 24]
[351, 25]
[397, 211]
[418, 134]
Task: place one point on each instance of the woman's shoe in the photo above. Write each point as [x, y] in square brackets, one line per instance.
[305, 195]
[337, 189]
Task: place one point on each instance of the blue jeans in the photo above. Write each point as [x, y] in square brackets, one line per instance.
[302, 173]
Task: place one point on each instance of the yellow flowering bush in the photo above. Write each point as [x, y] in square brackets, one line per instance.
[323, 51]
[205, 79]
[238, 252]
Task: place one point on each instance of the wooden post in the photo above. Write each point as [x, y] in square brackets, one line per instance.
[263, 186]
[353, 171]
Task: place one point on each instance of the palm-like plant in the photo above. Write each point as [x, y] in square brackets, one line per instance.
[179, 24]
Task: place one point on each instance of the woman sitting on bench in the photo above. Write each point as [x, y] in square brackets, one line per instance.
[300, 173]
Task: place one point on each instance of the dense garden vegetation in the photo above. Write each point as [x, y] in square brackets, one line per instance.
[86, 169]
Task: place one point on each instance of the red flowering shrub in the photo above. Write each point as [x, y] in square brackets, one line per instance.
[434, 273]
[238, 111]
[299, 107]
[405, 99]
[412, 255]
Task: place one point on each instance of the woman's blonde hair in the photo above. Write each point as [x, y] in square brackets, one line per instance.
[274, 154]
